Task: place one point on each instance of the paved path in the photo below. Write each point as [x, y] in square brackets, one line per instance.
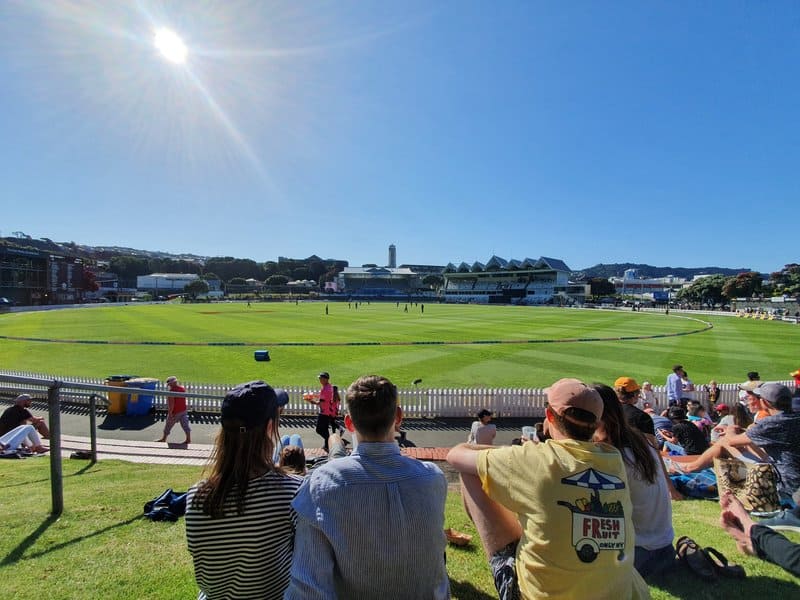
[178, 454]
[132, 438]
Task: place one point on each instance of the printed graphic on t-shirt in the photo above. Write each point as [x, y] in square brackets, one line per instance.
[596, 525]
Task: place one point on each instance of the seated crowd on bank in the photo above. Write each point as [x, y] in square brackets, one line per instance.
[583, 510]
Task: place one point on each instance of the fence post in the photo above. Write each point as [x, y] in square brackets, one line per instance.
[56, 476]
[93, 426]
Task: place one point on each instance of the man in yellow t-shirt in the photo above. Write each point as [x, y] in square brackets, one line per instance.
[555, 518]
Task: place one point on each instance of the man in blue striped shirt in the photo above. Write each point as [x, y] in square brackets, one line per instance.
[370, 525]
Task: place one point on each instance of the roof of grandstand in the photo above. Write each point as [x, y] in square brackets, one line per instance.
[496, 263]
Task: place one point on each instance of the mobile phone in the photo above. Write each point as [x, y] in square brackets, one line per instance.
[530, 433]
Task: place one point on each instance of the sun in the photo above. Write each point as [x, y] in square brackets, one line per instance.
[171, 46]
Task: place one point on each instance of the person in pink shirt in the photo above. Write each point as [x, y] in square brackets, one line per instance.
[328, 402]
[176, 412]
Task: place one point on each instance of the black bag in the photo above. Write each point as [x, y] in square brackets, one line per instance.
[169, 506]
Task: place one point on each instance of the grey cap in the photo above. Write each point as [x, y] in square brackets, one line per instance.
[773, 393]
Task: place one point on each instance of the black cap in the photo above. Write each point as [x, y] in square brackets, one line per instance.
[282, 396]
[676, 413]
[325, 374]
[249, 405]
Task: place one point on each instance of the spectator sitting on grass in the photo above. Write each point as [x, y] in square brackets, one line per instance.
[293, 460]
[239, 522]
[18, 414]
[684, 433]
[628, 393]
[370, 525]
[652, 510]
[483, 431]
[731, 423]
[696, 414]
[525, 502]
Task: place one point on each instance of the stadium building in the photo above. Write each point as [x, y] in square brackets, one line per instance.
[531, 281]
[164, 282]
[378, 282]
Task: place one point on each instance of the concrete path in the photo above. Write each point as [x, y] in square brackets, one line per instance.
[132, 438]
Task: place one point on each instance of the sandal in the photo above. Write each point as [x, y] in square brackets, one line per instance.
[721, 565]
[695, 559]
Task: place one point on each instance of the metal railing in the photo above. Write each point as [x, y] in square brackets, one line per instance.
[54, 389]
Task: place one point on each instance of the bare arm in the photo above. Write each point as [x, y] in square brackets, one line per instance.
[464, 458]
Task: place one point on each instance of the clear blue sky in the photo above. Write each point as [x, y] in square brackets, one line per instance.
[665, 133]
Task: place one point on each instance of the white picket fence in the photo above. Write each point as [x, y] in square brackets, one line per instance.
[416, 402]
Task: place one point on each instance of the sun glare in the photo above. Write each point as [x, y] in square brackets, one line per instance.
[171, 46]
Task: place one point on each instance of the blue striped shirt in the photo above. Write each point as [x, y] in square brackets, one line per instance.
[370, 525]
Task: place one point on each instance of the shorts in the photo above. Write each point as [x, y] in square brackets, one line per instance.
[504, 570]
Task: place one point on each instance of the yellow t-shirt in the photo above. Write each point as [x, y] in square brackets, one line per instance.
[574, 506]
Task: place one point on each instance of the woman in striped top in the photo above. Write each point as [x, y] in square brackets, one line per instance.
[239, 524]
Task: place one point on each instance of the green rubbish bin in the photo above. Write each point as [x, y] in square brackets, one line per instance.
[117, 400]
[140, 404]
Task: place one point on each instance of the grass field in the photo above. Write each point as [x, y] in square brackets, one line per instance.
[102, 547]
[437, 346]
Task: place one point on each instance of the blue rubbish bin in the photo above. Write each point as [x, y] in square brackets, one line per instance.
[141, 404]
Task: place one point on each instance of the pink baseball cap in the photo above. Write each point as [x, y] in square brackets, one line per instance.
[573, 392]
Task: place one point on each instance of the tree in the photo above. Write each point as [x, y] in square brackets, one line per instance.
[433, 281]
[302, 273]
[744, 285]
[196, 288]
[129, 267]
[277, 280]
[706, 290]
[228, 267]
[601, 287]
[270, 268]
[237, 281]
[787, 280]
[89, 281]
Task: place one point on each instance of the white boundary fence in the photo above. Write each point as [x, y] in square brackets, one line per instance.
[416, 402]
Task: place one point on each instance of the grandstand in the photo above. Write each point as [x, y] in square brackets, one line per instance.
[499, 281]
[377, 282]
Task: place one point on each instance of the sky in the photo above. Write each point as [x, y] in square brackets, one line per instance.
[665, 133]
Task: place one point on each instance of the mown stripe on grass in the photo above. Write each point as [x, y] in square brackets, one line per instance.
[706, 326]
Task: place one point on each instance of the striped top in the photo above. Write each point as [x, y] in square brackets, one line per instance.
[248, 555]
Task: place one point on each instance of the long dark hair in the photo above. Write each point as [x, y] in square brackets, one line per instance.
[236, 458]
[621, 435]
[741, 418]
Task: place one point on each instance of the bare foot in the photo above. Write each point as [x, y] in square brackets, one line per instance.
[735, 520]
[40, 449]
[162, 440]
